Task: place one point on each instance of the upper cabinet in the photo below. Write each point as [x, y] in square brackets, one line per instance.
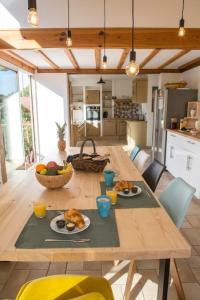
[140, 88]
[92, 97]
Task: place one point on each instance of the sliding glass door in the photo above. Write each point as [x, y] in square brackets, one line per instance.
[16, 119]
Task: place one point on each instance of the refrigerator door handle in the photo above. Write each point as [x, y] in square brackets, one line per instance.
[171, 152]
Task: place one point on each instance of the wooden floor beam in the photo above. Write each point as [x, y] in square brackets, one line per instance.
[123, 58]
[149, 57]
[72, 58]
[47, 59]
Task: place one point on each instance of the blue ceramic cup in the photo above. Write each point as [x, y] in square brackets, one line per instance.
[103, 205]
[109, 177]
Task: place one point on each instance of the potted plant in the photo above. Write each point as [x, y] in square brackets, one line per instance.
[61, 135]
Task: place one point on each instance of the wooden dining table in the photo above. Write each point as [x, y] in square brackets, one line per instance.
[144, 233]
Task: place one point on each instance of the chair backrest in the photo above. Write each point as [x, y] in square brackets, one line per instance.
[153, 173]
[135, 152]
[176, 199]
[142, 161]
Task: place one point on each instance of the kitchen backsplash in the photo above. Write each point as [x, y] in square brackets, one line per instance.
[127, 109]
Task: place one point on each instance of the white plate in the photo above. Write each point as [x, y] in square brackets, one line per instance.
[64, 230]
[130, 194]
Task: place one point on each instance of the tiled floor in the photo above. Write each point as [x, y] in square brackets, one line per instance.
[13, 275]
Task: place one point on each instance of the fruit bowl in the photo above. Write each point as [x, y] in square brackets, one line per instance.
[52, 175]
[54, 182]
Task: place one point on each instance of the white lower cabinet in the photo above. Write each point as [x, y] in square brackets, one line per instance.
[182, 161]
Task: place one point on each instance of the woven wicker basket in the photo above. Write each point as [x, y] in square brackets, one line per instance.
[88, 162]
[54, 182]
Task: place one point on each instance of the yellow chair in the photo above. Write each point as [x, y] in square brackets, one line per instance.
[66, 287]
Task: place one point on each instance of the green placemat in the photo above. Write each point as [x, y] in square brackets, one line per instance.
[102, 232]
[144, 200]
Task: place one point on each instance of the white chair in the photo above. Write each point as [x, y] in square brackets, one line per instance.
[142, 161]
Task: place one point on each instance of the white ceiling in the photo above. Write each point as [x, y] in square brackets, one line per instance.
[86, 58]
[89, 13]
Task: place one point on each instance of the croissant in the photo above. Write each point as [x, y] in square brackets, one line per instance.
[69, 213]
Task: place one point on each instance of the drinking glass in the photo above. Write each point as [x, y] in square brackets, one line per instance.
[113, 195]
[103, 205]
[109, 177]
[39, 209]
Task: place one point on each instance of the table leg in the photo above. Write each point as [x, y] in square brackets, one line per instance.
[163, 282]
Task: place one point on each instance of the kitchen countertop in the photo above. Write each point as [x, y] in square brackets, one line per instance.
[186, 134]
[123, 119]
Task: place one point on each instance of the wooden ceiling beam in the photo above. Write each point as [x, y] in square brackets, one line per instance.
[97, 53]
[72, 58]
[145, 38]
[190, 65]
[173, 58]
[17, 62]
[20, 58]
[123, 58]
[106, 71]
[47, 59]
[149, 57]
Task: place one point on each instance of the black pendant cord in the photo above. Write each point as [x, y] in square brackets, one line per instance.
[183, 6]
[104, 35]
[68, 14]
[133, 25]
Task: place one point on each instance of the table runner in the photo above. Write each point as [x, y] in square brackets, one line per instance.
[144, 200]
[102, 232]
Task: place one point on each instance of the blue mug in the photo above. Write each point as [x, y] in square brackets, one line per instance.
[109, 177]
[103, 205]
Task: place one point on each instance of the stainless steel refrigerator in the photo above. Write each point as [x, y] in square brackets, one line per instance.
[168, 103]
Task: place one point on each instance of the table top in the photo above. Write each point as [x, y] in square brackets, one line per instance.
[144, 233]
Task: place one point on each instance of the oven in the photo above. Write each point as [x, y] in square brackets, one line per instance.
[92, 113]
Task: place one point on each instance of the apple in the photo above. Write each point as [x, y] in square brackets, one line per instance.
[52, 165]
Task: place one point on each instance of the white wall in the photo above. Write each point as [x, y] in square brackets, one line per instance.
[52, 103]
[192, 77]
[89, 13]
[122, 87]
[169, 77]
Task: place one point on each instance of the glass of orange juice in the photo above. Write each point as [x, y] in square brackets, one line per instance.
[39, 209]
[113, 195]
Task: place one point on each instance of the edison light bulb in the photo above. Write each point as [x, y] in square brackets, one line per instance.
[69, 38]
[33, 17]
[69, 42]
[181, 31]
[132, 69]
[104, 64]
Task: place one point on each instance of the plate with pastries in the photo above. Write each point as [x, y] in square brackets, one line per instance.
[127, 189]
[70, 222]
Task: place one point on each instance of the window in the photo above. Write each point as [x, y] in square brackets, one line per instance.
[16, 119]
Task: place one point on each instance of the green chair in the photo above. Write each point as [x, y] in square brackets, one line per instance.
[135, 152]
[176, 199]
[66, 287]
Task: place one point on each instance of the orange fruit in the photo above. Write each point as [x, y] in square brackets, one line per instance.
[40, 167]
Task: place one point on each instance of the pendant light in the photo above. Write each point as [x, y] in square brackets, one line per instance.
[101, 81]
[104, 64]
[32, 13]
[68, 34]
[132, 69]
[181, 31]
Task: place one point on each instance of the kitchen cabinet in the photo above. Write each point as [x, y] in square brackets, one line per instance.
[183, 159]
[109, 127]
[92, 129]
[121, 128]
[136, 133]
[92, 97]
[78, 133]
[140, 89]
